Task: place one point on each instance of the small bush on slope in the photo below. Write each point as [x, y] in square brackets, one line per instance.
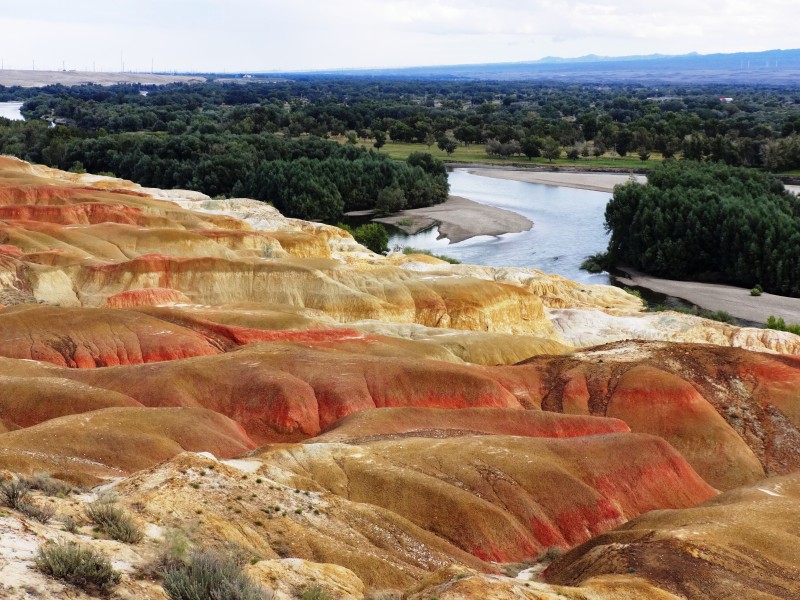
[78, 565]
[114, 521]
[211, 576]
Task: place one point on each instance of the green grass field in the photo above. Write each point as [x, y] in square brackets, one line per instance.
[476, 153]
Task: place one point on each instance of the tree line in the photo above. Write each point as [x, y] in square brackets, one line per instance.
[708, 222]
[306, 177]
[760, 127]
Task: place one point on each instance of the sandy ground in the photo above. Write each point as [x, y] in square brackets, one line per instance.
[736, 301]
[43, 78]
[460, 219]
[599, 182]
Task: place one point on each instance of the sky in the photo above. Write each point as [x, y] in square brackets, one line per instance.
[283, 35]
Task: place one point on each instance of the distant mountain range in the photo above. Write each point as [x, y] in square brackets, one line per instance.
[779, 67]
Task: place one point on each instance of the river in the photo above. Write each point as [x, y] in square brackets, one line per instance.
[567, 227]
[11, 110]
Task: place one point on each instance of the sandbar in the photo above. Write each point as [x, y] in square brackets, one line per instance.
[459, 219]
[734, 300]
[599, 182]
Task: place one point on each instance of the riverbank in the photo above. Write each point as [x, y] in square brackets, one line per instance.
[734, 300]
[598, 182]
[459, 219]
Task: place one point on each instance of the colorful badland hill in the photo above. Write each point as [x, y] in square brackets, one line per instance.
[370, 426]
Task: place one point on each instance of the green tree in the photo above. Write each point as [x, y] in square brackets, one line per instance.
[380, 139]
[551, 149]
[447, 144]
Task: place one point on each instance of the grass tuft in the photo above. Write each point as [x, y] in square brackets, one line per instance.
[114, 521]
[211, 575]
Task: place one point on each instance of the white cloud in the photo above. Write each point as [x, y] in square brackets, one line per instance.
[309, 34]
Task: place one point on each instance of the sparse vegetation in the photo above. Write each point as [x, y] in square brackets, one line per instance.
[13, 493]
[39, 512]
[211, 575]
[449, 259]
[314, 593]
[779, 324]
[81, 566]
[714, 315]
[16, 494]
[48, 485]
[635, 292]
[114, 521]
[70, 524]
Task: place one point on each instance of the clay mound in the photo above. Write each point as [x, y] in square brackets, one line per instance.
[742, 544]
[732, 413]
[459, 583]
[87, 338]
[6, 426]
[115, 441]
[281, 392]
[27, 401]
[500, 498]
[393, 423]
[238, 503]
[148, 297]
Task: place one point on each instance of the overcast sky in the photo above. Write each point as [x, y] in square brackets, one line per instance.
[250, 35]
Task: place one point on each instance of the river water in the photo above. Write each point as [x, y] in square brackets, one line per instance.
[567, 227]
[11, 110]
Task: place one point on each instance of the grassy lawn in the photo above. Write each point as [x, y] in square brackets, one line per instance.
[477, 153]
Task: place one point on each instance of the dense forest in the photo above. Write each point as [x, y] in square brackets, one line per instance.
[739, 125]
[268, 139]
[708, 222]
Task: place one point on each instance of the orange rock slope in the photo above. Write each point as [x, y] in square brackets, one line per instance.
[402, 423]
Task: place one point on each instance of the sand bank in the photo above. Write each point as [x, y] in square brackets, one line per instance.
[599, 182]
[459, 219]
[737, 301]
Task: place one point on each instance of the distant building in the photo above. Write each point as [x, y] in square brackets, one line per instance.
[726, 99]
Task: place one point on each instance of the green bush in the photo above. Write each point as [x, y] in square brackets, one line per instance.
[212, 576]
[780, 325]
[78, 565]
[756, 291]
[374, 236]
[597, 263]
[114, 521]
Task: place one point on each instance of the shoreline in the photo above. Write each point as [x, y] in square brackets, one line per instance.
[459, 219]
[598, 182]
[715, 296]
